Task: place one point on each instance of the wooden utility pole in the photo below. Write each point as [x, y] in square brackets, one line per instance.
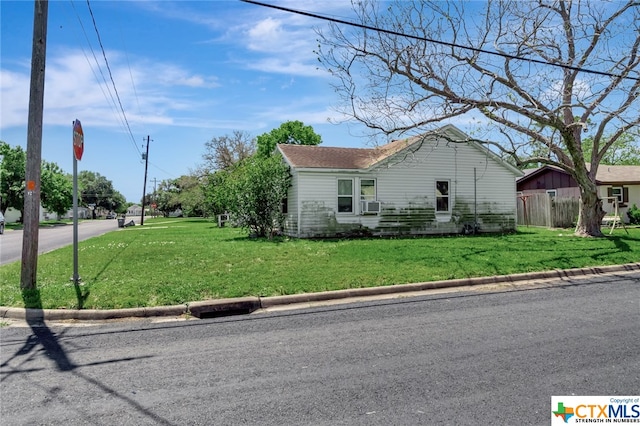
[144, 189]
[31, 218]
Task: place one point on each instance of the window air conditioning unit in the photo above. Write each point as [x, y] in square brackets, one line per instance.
[370, 207]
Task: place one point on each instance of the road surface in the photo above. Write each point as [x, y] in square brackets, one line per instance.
[465, 358]
[54, 237]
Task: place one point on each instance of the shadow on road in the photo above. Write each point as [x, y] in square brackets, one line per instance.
[52, 349]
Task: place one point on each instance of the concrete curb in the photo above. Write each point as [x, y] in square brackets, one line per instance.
[244, 305]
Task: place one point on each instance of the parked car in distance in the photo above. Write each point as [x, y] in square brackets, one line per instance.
[1, 223]
[111, 215]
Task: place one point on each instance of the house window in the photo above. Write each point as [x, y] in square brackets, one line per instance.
[443, 204]
[552, 193]
[368, 189]
[284, 205]
[617, 193]
[620, 193]
[345, 195]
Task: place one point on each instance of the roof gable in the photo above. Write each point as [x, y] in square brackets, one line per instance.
[319, 157]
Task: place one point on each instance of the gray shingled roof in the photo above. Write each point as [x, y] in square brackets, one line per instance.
[320, 157]
[307, 156]
[618, 174]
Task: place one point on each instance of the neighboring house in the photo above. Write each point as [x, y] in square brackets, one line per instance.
[619, 182]
[436, 183]
[83, 213]
[134, 210]
[12, 215]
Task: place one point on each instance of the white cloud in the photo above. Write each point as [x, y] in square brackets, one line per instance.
[76, 88]
[14, 105]
[283, 66]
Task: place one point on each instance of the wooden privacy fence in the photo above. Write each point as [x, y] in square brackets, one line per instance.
[541, 209]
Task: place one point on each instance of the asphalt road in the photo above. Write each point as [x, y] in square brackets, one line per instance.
[54, 237]
[463, 358]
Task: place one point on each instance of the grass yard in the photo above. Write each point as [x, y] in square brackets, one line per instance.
[174, 261]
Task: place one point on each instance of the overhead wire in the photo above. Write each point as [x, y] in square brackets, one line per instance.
[133, 84]
[444, 43]
[97, 64]
[128, 128]
[108, 94]
[115, 89]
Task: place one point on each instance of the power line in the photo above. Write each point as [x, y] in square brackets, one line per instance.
[110, 96]
[162, 170]
[449, 44]
[104, 55]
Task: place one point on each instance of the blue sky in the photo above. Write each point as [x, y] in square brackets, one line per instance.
[184, 71]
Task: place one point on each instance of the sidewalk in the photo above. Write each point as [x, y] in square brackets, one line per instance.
[246, 305]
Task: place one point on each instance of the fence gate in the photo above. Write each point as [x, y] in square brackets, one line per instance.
[541, 209]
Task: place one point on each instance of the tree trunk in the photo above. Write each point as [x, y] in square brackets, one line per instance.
[591, 214]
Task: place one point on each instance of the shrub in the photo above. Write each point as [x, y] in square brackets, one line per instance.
[634, 215]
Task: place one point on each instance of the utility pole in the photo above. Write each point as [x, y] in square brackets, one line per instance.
[31, 219]
[144, 188]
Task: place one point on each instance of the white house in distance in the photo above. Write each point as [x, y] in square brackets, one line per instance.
[435, 183]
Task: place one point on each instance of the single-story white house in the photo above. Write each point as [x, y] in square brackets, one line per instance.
[436, 183]
[134, 210]
[621, 183]
[12, 215]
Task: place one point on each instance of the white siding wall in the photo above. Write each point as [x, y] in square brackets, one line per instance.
[634, 198]
[406, 187]
[291, 219]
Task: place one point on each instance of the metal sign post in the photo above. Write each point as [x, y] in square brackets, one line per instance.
[78, 150]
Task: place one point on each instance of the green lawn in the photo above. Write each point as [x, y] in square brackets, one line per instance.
[174, 261]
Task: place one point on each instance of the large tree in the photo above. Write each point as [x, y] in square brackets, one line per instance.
[56, 186]
[529, 73]
[57, 189]
[289, 132]
[97, 191]
[185, 193]
[625, 151]
[12, 172]
[222, 152]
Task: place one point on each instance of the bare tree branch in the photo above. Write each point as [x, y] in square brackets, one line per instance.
[396, 84]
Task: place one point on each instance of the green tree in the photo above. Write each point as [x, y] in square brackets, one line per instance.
[185, 193]
[57, 189]
[119, 202]
[253, 192]
[214, 197]
[396, 83]
[12, 173]
[166, 197]
[97, 191]
[192, 195]
[625, 151]
[289, 132]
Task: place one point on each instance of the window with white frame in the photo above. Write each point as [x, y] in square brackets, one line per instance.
[443, 201]
[617, 192]
[367, 189]
[345, 195]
